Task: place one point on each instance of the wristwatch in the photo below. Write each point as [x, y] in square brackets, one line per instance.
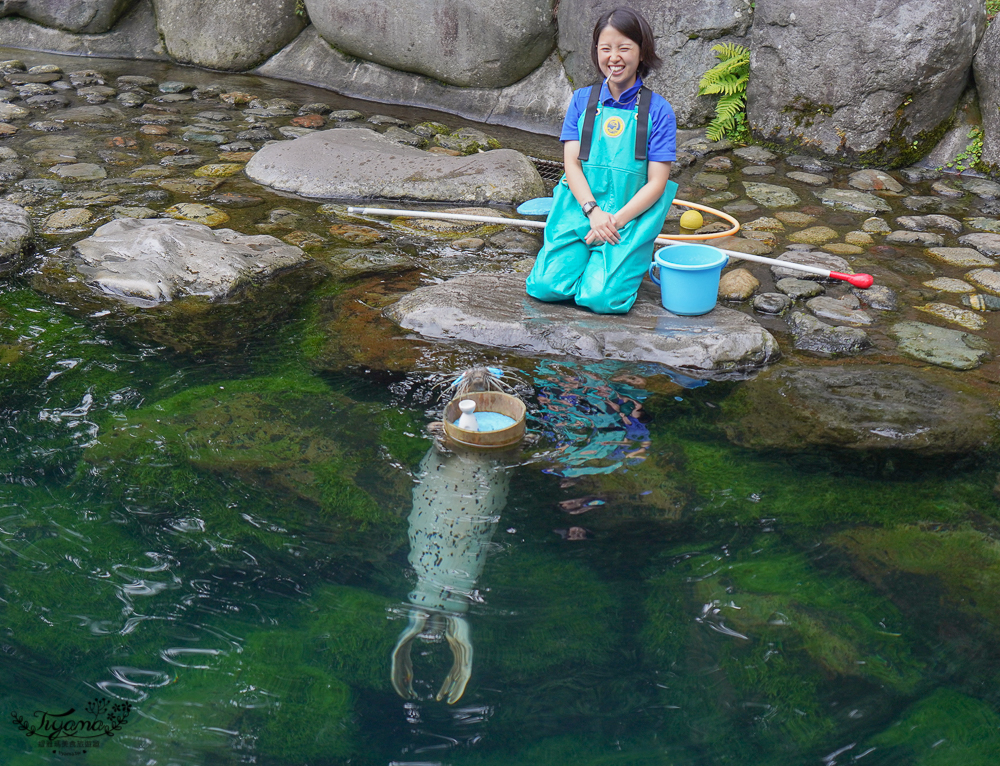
[588, 207]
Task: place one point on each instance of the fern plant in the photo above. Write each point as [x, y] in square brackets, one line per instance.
[728, 79]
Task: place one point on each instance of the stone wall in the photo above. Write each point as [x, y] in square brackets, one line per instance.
[863, 81]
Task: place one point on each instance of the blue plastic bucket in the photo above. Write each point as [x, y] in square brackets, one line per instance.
[689, 277]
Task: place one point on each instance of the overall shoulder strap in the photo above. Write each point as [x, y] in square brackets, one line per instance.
[642, 128]
[587, 134]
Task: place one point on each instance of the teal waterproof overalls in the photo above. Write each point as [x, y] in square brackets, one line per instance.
[602, 277]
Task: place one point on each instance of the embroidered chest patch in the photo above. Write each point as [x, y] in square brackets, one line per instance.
[613, 127]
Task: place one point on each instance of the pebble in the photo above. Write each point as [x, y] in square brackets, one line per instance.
[970, 320]
[236, 98]
[72, 218]
[753, 171]
[809, 164]
[316, 107]
[859, 238]
[838, 311]
[233, 199]
[765, 224]
[924, 238]
[150, 171]
[290, 131]
[984, 224]
[79, 171]
[799, 288]
[981, 187]
[350, 115]
[771, 303]
[770, 195]
[874, 180]
[191, 186]
[134, 81]
[313, 121]
[718, 164]
[154, 130]
[987, 279]
[794, 218]
[218, 170]
[88, 198]
[382, 119]
[981, 302]
[737, 285]
[843, 248]
[304, 239]
[359, 235]
[922, 204]
[987, 244]
[7, 130]
[858, 201]
[120, 211]
[815, 235]
[811, 179]
[755, 154]
[945, 189]
[193, 211]
[924, 222]
[174, 86]
[961, 256]
[878, 297]
[949, 285]
[469, 244]
[953, 349]
[181, 160]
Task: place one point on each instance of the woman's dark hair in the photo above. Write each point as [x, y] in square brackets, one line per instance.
[634, 26]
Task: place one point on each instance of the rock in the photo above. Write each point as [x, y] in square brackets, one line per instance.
[710, 181]
[476, 38]
[816, 235]
[202, 214]
[874, 180]
[809, 164]
[493, 310]
[515, 242]
[353, 164]
[889, 407]
[88, 114]
[857, 201]
[405, 137]
[718, 164]
[120, 211]
[981, 302]
[810, 179]
[843, 248]
[823, 340]
[984, 224]
[757, 171]
[987, 279]
[981, 187]
[79, 171]
[151, 262]
[875, 225]
[799, 288]
[467, 141]
[878, 297]
[16, 235]
[985, 66]
[924, 238]
[191, 186]
[218, 170]
[923, 204]
[11, 170]
[233, 199]
[924, 222]
[838, 311]
[818, 260]
[359, 235]
[741, 245]
[949, 285]
[921, 55]
[967, 319]
[229, 35]
[953, 349]
[772, 303]
[765, 224]
[945, 189]
[80, 16]
[737, 285]
[72, 218]
[859, 239]
[987, 244]
[770, 195]
[960, 256]
[757, 155]
[794, 217]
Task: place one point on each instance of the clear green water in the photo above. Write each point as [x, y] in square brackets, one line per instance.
[222, 543]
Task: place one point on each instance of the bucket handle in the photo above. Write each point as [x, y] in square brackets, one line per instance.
[656, 280]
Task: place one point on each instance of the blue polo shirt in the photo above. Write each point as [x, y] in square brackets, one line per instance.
[662, 145]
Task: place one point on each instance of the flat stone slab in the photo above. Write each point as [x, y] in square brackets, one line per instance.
[494, 310]
[953, 349]
[961, 256]
[146, 262]
[846, 199]
[361, 164]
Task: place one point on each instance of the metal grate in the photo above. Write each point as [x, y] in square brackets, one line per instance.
[550, 170]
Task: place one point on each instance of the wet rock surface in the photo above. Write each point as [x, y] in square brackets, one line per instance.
[888, 407]
[495, 311]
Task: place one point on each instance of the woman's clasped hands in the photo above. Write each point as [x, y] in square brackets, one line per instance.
[603, 227]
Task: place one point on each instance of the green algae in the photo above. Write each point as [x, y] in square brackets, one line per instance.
[944, 729]
[774, 637]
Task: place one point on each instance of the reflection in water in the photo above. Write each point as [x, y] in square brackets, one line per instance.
[456, 507]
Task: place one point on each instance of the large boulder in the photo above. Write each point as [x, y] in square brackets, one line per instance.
[153, 261]
[860, 408]
[226, 34]
[356, 163]
[494, 310]
[987, 70]
[133, 37]
[536, 104]
[869, 85]
[685, 33]
[80, 16]
[462, 42]
[16, 233]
